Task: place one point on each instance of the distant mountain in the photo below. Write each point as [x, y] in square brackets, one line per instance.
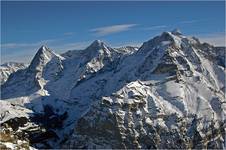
[169, 93]
[7, 68]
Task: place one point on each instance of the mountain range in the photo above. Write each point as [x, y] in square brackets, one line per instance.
[167, 94]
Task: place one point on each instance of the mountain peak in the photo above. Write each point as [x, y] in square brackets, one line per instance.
[97, 44]
[43, 55]
[98, 41]
[176, 32]
[43, 49]
[166, 38]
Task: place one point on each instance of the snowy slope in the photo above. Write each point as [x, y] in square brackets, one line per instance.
[7, 68]
[117, 97]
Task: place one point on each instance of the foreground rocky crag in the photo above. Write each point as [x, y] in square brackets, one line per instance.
[169, 93]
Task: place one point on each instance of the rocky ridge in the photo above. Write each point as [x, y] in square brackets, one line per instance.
[169, 93]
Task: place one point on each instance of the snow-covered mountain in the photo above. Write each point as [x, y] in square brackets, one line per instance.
[7, 68]
[169, 93]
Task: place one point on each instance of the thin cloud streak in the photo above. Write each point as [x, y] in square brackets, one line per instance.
[192, 21]
[25, 45]
[158, 27]
[24, 52]
[217, 39]
[155, 27]
[102, 31]
[70, 46]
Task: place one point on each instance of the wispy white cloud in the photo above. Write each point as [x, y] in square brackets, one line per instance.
[22, 57]
[192, 21]
[26, 45]
[102, 31]
[23, 52]
[161, 27]
[70, 46]
[155, 27]
[20, 52]
[217, 39]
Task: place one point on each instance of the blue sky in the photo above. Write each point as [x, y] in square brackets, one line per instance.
[25, 26]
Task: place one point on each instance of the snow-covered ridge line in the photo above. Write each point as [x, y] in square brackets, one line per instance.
[170, 89]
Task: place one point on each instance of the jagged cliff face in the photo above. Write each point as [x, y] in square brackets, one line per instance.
[169, 93]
